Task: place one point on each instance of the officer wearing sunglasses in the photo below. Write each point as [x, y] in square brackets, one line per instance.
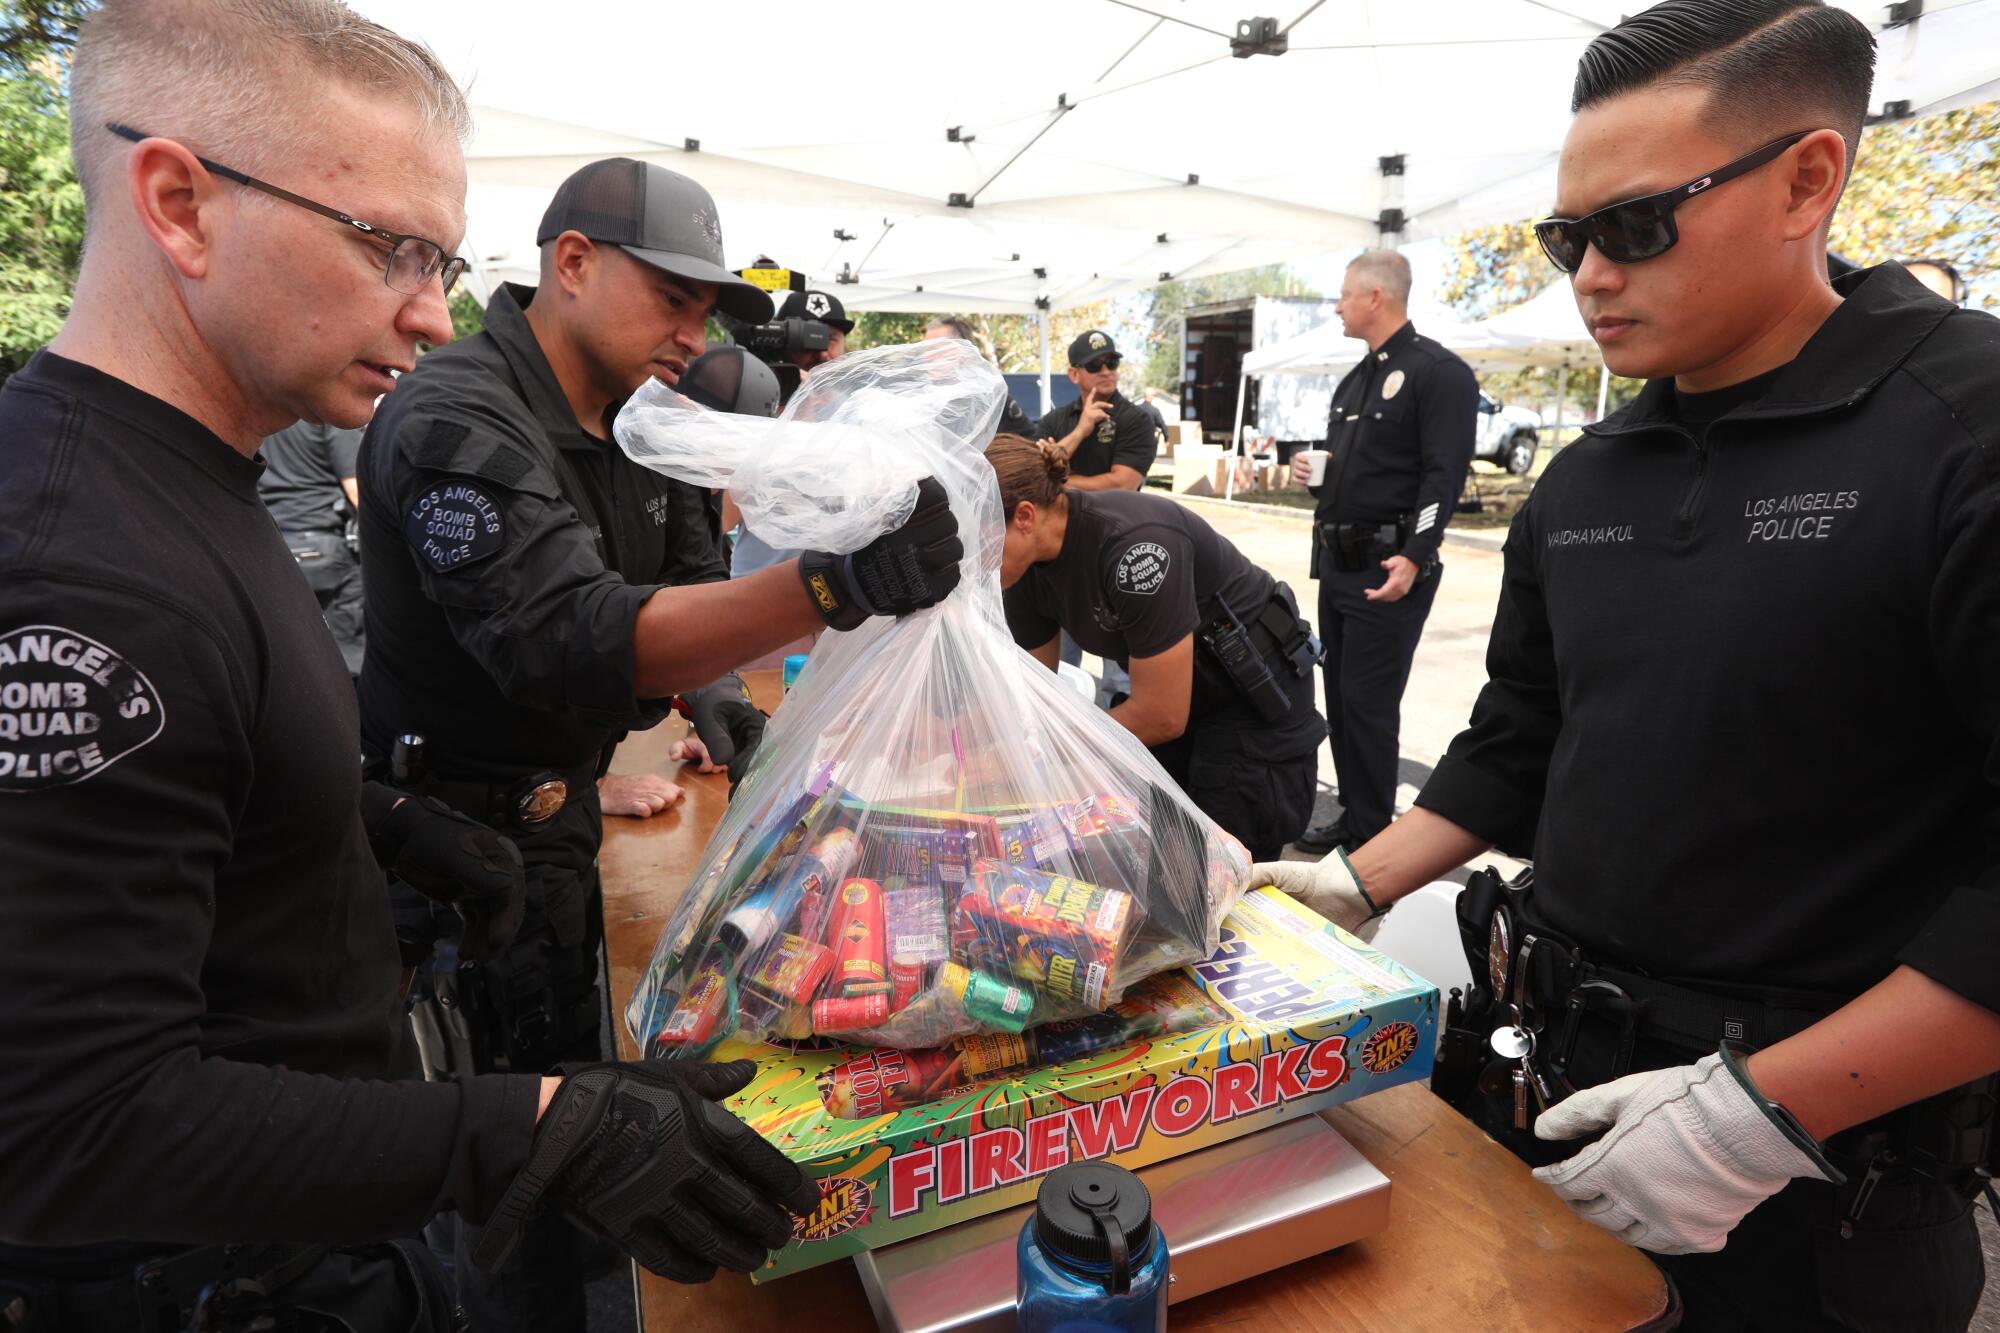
[1743, 710]
[1109, 439]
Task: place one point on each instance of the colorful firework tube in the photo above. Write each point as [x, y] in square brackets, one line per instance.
[986, 999]
[753, 922]
[695, 1018]
[836, 1015]
[906, 980]
[878, 1082]
[1058, 933]
[791, 969]
[860, 941]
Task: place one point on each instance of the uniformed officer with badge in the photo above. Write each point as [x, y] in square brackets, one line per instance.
[1220, 661]
[1399, 439]
[1743, 710]
[1108, 439]
[520, 622]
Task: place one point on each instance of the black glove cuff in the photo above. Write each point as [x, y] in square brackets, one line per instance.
[826, 581]
[389, 816]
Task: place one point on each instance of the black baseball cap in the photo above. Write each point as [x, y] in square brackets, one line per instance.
[657, 216]
[729, 379]
[1089, 345]
[822, 306]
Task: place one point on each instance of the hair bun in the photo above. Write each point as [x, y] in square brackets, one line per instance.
[1055, 461]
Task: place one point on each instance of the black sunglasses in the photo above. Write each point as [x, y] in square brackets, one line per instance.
[1641, 228]
[413, 261]
[1103, 363]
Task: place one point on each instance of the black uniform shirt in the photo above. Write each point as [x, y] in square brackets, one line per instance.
[1744, 696]
[200, 979]
[1411, 404]
[1137, 573]
[304, 465]
[1125, 436]
[508, 553]
[1014, 420]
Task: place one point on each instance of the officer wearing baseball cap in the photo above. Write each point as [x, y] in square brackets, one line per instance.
[522, 620]
[1109, 439]
[823, 308]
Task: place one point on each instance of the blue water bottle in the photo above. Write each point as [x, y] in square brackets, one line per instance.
[1090, 1259]
[793, 666]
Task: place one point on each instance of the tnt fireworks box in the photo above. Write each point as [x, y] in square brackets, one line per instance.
[1290, 1016]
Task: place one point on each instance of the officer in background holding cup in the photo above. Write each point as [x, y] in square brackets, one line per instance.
[1399, 440]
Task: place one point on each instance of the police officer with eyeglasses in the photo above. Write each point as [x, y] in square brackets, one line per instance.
[1743, 711]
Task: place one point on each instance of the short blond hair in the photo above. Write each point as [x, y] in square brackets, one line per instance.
[1385, 269]
[237, 80]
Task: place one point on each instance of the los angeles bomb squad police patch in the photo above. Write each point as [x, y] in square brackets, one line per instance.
[70, 707]
[454, 523]
[1142, 568]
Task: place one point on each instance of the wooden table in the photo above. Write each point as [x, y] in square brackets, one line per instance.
[1474, 1242]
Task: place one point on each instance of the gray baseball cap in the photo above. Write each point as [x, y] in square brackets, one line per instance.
[657, 216]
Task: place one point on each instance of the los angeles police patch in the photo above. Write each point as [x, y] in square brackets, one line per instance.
[452, 524]
[70, 707]
[1142, 568]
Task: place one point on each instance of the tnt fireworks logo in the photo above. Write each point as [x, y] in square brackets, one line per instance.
[843, 1206]
[1388, 1047]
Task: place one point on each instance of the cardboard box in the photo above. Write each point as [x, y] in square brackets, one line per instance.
[1305, 1017]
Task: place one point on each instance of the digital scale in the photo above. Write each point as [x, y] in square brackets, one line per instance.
[1230, 1212]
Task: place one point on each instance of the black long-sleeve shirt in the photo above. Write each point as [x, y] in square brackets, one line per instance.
[199, 1014]
[1401, 429]
[508, 553]
[1743, 704]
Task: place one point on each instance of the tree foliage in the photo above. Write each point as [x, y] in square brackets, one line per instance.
[41, 204]
[1161, 308]
[1013, 341]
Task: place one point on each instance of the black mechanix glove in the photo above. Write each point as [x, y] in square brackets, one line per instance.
[640, 1153]
[902, 571]
[450, 859]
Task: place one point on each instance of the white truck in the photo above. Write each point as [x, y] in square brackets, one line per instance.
[1292, 409]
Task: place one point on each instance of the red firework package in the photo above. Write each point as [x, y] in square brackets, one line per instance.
[937, 839]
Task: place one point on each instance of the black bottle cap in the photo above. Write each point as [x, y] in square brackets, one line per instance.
[1082, 1204]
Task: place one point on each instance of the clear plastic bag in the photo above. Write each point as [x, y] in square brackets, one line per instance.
[938, 838]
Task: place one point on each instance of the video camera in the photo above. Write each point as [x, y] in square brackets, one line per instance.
[774, 341]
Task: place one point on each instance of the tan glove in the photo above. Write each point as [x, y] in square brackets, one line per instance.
[1329, 886]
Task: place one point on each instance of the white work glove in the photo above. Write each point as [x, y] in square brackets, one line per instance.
[1690, 1151]
[1329, 886]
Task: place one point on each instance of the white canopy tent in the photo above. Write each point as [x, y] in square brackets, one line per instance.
[1047, 153]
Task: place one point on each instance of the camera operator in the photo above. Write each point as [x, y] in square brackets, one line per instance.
[810, 329]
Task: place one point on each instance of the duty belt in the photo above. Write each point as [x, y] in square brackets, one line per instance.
[1357, 546]
[522, 804]
[1536, 990]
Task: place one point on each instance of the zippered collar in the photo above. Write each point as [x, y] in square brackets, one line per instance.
[507, 323]
[1884, 316]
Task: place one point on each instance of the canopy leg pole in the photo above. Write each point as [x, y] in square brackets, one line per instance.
[1236, 441]
[1042, 328]
[1562, 398]
[1603, 389]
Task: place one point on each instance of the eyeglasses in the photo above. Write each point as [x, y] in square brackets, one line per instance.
[413, 261]
[1102, 364]
[1641, 228]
